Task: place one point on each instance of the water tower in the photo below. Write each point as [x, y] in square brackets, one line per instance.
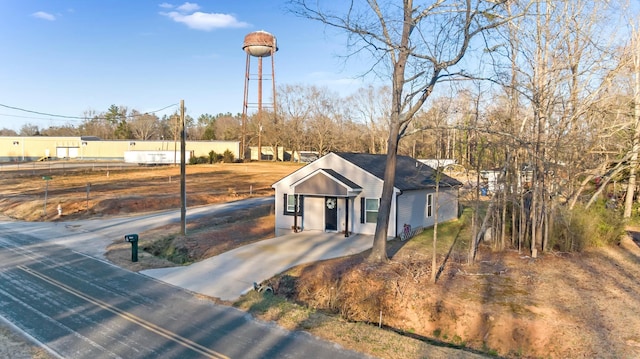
[258, 44]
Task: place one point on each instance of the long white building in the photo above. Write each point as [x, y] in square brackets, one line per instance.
[33, 148]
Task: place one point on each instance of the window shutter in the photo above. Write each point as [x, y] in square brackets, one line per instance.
[362, 209]
[301, 204]
[285, 204]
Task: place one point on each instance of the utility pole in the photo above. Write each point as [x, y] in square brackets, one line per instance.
[176, 133]
[183, 174]
[46, 192]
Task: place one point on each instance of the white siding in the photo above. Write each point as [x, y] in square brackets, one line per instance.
[372, 188]
[283, 223]
[411, 206]
[448, 204]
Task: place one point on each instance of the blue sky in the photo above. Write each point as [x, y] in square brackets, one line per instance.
[65, 57]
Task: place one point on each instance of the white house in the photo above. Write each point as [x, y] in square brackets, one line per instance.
[340, 192]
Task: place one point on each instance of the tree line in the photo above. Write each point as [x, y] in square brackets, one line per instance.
[308, 118]
[122, 123]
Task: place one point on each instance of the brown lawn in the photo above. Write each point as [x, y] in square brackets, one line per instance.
[97, 191]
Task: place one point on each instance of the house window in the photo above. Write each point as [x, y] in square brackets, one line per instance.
[428, 210]
[371, 206]
[290, 202]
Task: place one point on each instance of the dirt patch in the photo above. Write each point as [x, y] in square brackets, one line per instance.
[97, 191]
[206, 237]
[14, 346]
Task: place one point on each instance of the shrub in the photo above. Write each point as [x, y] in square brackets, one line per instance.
[228, 157]
[198, 160]
[581, 228]
[167, 248]
[214, 157]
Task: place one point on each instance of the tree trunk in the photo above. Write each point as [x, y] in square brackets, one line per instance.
[633, 162]
[474, 226]
[379, 250]
[503, 224]
[434, 258]
[534, 216]
[605, 180]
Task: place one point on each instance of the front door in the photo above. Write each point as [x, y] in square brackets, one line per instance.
[331, 214]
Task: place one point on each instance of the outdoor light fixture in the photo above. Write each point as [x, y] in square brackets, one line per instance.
[132, 143]
[17, 143]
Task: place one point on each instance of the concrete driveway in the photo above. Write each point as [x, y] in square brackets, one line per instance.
[231, 274]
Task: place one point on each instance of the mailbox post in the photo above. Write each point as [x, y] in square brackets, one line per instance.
[133, 239]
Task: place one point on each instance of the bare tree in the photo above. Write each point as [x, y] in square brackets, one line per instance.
[269, 127]
[143, 126]
[93, 125]
[324, 118]
[294, 112]
[352, 135]
[633, 53]
[227, 127]
[7, 132]
[64, 130]
[371, 108]
[29, 129]
[438, 142]
[416, 46]
[556, 73]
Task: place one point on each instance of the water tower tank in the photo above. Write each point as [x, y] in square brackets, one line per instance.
[259, 44]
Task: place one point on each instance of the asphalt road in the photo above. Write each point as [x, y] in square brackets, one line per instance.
[80, 306]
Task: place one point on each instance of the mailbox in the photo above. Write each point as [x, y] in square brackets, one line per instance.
[133, 239]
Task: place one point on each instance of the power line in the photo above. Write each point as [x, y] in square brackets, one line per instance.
[29, 117]
[74, 117]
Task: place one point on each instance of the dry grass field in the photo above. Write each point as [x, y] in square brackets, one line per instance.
[95, 191]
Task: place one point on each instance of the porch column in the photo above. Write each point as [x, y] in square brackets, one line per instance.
[300, 204]
[346, 217]
[295, 213]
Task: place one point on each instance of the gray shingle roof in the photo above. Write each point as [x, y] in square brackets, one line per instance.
[411, 174]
